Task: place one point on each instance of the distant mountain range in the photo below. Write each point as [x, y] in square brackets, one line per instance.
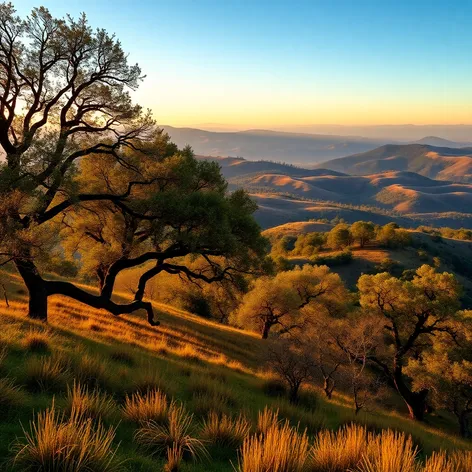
[295, 148]
[442, 163]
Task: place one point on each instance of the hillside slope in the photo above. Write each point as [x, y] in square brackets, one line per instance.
[442, 163]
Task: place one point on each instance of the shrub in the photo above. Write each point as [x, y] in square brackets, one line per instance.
[177, 431]
[333, 260]
[338, 451]
[224, 430]
[89, 404]
[76, 444]
[46, 374]
[140, 407]
[280, 449]
[389, 451]
[274, 388]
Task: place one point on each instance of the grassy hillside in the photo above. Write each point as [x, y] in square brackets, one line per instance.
[206, 366]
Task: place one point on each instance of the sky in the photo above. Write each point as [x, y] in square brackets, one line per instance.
[270, 64]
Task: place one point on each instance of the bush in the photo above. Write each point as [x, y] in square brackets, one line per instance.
[91, 371]
[76, 444]
[333, 260]
[274, 388]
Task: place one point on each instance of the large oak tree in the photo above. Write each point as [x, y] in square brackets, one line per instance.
[82, 161]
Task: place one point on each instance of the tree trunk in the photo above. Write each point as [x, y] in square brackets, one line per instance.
[415, 401]
[328, 387]
[293, 395]
[266, 329]
[37, 289]
[464, 425]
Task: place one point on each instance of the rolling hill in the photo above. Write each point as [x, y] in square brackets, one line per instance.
[442, 163]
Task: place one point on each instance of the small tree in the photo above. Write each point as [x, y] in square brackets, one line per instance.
[446, 371]
[293, 362]
[411, 313]
[289, 300]
[339, 237]
[363, 232]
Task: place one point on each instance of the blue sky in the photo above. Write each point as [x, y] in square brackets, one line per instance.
[268, 64]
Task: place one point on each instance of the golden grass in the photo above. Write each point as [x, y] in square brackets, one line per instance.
[91, 371]
[462, 460]
[46, 374]
[177, 431]
[11, 395]
[174, 458]
[37, 341]
[56, 444]
[280, 449]
[338, 451]
[266, 420]
[150, 406]
[89, 403]
[225, 430]
[389, 451]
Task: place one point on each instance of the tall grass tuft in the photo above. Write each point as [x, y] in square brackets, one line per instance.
[46, 374]
[37, 341]
[176, 431]
[174, 458]
[389, 451]
[10, 395]
[224, 430]
[280, 449]
[56, 444]
[338, 451]
[439, 462]
[462, 460]
[266, 420]
[150, 406]
[89, 403]
[91, 371]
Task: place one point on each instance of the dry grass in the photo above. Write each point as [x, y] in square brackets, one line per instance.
[89, 403]
[91, 371]
[462, 460]
[11, 395]
[56, 444]
[225, 430]
[389, 451]
[177, 431]
[46, 374]
[338, 451]
[280, 449]
[37, 341]
[150, 406]
[174, 459]
[439, 462]
[266, 420]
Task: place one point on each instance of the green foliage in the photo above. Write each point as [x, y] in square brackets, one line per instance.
[339, 237]
[363, 232]
[333, 260]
